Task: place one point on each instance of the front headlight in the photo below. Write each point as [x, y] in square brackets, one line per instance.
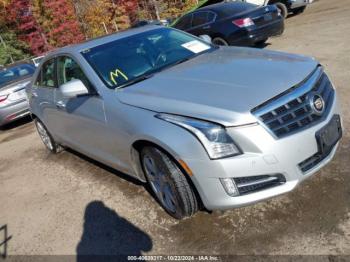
[214, 137]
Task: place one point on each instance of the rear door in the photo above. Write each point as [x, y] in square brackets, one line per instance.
[202, 23]
[43, 93]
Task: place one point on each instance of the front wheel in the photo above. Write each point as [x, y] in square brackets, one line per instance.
[261, 42]
[46, 137]
[168, 183]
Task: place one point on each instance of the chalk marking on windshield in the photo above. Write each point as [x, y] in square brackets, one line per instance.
[116, 74]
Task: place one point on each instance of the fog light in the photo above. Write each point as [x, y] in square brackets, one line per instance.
[229, 186]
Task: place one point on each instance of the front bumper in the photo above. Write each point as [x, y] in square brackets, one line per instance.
[13, 111]
[263, 155]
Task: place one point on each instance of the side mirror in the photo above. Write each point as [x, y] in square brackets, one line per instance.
[73, 88]
[205, 38]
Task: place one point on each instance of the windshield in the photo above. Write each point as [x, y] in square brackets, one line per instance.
[11, 74]
[128, 59]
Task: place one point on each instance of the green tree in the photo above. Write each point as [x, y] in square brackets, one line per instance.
[12, 47]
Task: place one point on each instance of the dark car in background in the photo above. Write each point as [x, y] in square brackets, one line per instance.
[163, 22]
[234, 23]
[13, 99]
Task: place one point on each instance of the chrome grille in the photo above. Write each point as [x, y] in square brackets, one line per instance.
[291, 112]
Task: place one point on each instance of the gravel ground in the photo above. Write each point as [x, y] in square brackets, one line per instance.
[68, 204]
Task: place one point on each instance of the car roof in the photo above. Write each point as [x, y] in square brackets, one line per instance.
[77, 48]
[221, 6]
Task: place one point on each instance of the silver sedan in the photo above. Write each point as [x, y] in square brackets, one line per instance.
[219, 127]
[13, 98]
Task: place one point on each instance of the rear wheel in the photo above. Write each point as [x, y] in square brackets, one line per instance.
[220, 41]
[261, 42]
[299, 10]
[283, 9]
[46, 137]
[168, 183]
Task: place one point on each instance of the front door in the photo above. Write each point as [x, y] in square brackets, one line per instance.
[80, 121]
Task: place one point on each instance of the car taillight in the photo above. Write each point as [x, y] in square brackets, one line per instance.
[3, 98]
[243, 22]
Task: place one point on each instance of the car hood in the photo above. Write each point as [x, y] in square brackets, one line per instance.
[221, 86]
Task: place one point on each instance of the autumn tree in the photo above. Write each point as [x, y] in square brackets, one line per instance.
[164, 9]
[99, 16]
[130, 7]
[59, 22]
[20, 18]
[190, 4]
[95, 15]
[124, 13]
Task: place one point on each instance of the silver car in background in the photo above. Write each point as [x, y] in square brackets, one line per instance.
[13, 98]
[219, 127]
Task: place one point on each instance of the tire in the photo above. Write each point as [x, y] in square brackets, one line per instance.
[220, 41]
[299, 10]
[261, 42]
[46, 137]
[283, 9]
[168, 183]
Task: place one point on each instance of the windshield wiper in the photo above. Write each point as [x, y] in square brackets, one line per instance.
[136, 80]
[151, 74]
[183, 60]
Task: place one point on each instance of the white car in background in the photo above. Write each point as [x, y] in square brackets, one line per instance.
[36, 60]
[285, 6]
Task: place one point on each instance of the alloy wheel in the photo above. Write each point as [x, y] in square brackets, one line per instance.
[44, 136]
[160, 183]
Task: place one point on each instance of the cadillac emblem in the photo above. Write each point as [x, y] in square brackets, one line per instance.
[317, 103]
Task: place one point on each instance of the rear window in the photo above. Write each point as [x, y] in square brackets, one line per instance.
[200, 18]
[184, 22]
[12, 74]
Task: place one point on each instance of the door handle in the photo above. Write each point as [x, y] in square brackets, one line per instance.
[61, 105]
[206, 27]
[34, 94]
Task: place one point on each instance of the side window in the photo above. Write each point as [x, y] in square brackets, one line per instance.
[68, 69]
[48, 74]
[200, 18]
[211, 17]
[184, 23]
